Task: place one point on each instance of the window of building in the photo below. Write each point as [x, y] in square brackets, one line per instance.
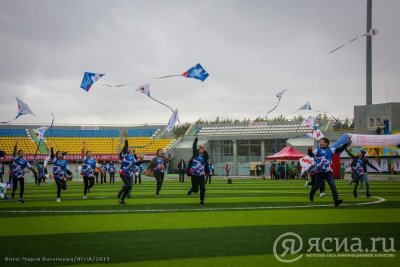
[371, 122]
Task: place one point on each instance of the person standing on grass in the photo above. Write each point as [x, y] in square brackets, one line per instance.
[60, 172]
[158, 165]
[19, 163]
[103, 173]
[209, 172]
[359, 166]
[88, 169]
[323, 158]
[342, 170]
[181, 170]
[227, 173]
[198, 170]
[128, 167]
[111, 171]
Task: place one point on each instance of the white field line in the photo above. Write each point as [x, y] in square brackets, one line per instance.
[379, 200]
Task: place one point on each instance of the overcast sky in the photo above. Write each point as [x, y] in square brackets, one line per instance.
[252, 49]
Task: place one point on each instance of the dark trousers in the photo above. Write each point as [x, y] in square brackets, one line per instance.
[181, 176]
[21, 186]
[103, 178]
[61, 185]
[312, 183]
[96, 174]
[126, 187]
[138, 178]
[199, 181]
[88, 183]
[112, 177]
[160, 179]
[208, 178]
[1, 177]
[320, 180]
[42, 179]
[37, 180]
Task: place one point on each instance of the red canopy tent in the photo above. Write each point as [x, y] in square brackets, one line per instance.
[287, 153]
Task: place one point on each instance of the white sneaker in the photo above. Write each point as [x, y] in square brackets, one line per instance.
[322, 194]
[58, 199]
[306, 185]
[84, 197]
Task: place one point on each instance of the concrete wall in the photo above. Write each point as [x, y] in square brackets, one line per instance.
[368, 117]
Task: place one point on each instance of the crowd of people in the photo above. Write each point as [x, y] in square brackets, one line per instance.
[198, 168]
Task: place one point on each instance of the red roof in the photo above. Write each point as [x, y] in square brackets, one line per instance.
[287, 153]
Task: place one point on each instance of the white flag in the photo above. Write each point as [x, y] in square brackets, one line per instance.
[316, 134]
[47, 159]
[145, 89]
[172, 120]
[305, 163]
[40, 132]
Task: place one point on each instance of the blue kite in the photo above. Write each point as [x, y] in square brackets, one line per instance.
[89, 79]
[196, 72]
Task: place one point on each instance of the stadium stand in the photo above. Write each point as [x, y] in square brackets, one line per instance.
[102, 141]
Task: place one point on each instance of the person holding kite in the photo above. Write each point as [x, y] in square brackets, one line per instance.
[60, 171]
[323, 171]
[128, 167]
[17, 171]
[198, 170]
[158, 166]
[88, 167]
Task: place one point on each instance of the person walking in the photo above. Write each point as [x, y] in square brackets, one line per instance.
[359, 166]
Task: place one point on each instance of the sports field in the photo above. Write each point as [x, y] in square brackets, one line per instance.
[238, 225]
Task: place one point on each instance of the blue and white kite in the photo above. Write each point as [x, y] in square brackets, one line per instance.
[196, 72]
[89, 79]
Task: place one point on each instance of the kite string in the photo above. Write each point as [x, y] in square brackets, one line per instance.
[146, 81]
[337, 48]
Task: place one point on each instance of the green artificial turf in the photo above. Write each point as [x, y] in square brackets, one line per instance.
[237, 226]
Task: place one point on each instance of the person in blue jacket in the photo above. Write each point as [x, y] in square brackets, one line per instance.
[128, 167]
[18, 166]
[198, 169]
[88, 167]
[323, 170]
[60, 172]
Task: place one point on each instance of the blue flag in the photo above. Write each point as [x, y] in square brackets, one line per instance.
[89, 79]
[196, 72]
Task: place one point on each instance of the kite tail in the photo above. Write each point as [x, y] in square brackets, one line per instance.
[152, 141]
[273, 108]
[162, 103]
